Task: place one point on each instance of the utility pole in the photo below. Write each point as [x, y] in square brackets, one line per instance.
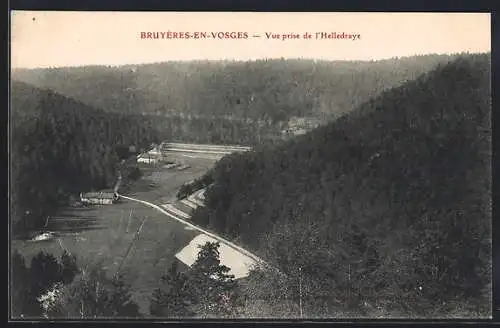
[300, 291]
[129, 220]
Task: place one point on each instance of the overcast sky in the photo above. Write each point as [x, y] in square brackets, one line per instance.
[54, 39]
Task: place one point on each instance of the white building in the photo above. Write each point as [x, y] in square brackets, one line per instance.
[152, 156]
[154, 152]
[147, 159]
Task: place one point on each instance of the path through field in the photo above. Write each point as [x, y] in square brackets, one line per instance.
[246, 255]
[111, 236]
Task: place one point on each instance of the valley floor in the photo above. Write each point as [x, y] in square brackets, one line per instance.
[101, 235]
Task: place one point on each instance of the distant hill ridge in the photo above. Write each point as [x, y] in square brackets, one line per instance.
[270, 89]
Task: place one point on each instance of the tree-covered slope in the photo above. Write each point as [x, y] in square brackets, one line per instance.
[258, 90]
[387, 209]
[61, 147]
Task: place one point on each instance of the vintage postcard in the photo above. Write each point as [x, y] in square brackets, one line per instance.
[250, 165]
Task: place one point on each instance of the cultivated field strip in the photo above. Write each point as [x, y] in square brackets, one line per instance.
[200, 195]
[239, 264]
[214, 157]
[193, 199]
[189, 203]
[178, 145]
[201, 151]
[172, 209]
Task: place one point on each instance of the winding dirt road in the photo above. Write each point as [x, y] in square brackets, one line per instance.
[239, 249]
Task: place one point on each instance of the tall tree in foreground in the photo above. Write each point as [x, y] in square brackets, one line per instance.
[171, 299]
[21, 302]
[212, 289]
[94, 295]
[34, 287]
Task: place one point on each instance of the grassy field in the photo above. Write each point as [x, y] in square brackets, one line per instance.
[160, 185]
[101, 235]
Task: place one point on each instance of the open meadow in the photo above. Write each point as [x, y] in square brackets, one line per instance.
[103, 235]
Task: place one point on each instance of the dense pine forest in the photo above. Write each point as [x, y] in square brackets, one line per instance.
[383, 211]
[61, 147]
[70, 125]
[265, 92]
[386, 211]
[218, 130]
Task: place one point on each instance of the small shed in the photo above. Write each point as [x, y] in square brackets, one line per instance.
[103, 198]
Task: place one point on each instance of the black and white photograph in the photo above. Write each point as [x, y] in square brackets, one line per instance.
[249, 165]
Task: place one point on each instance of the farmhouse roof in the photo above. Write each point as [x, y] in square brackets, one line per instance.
[100, 195]
[149, 155]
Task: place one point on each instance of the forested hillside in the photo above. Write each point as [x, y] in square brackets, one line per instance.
[218, 130]
[264, 91]
[61, 147]
[386, 211]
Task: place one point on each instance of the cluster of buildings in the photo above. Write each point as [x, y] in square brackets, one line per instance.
[156, 155]
[153, 156]
[300, 125]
